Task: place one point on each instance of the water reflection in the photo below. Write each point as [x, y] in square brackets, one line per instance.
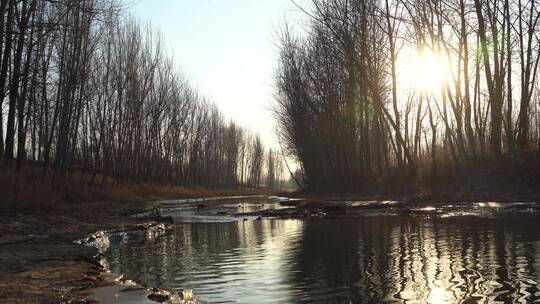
[411, 260]
[364, 260]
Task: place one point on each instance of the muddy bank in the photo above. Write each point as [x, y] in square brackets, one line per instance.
[41, 263]
[46, 271]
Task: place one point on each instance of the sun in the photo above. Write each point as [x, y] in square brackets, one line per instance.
[429, 71]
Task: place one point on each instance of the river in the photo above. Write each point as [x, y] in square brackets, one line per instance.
[376, 258]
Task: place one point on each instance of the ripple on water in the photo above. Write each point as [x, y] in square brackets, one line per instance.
[372, 259]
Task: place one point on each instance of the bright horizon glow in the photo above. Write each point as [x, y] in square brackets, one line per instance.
[429, 71]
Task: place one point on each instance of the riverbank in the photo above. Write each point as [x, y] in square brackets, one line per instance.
[39, 261]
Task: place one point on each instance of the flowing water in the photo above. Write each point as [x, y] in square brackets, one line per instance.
[377, 258]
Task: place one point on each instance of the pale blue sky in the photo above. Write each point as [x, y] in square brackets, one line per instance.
[226, 48]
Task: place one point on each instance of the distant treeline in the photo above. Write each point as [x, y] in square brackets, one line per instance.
[84, 89]
[345, 116]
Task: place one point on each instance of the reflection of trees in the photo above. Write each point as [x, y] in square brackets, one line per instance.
[324, 261]
[209, 257]
[186, 251]
[411, 260]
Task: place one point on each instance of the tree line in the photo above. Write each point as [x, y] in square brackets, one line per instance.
[344, 114]
[86, 90]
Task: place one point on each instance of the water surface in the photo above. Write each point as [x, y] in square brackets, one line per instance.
[371, 259]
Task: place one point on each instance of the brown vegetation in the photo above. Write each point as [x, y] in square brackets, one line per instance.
[27, 192]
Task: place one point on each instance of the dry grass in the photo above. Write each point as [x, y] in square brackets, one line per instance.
[146, 192]
[28, 192]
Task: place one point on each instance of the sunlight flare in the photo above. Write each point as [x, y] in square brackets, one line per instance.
[430, 70]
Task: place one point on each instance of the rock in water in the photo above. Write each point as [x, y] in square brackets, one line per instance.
[159, 296]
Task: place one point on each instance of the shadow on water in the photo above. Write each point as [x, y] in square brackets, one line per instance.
[396, 259]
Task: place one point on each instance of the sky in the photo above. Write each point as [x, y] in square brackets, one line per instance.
[226, 48]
